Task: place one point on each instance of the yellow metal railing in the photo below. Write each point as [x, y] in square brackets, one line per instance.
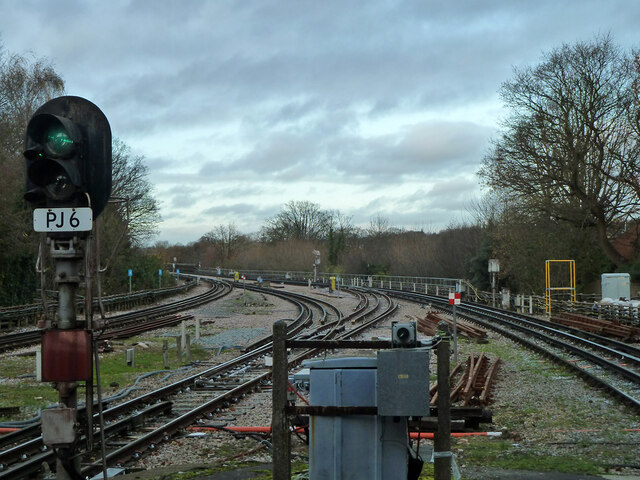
[572, 282]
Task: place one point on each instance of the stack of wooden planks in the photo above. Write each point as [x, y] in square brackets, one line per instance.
[595, 325]
[474, 383]
[429, 323]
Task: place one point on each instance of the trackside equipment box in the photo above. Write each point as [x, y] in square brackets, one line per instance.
[616, 286]
[403, 382]
[344, 447]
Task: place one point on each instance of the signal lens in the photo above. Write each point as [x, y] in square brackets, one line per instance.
[60, 187]
[57, 141]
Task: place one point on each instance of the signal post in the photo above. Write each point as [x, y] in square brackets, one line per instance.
[68, 182]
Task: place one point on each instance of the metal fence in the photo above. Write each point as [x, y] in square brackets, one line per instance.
[429, 285]
[531, 304]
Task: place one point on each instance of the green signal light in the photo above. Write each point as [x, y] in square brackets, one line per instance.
[58, 142]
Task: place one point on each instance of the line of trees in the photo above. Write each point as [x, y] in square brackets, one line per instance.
[378, 249]
[563, 181]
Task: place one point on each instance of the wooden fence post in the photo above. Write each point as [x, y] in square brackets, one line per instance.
[280, 423]
[442, 440]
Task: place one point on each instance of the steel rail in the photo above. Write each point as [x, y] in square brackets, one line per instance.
[18, 312]
[34, 463]
[114, 412]
[218, 290]
[163, 433]
[297, 326]
[615, 347]
[491, 316]
[182, 384]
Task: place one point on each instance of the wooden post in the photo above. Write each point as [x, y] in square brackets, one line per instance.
[187, 338]
[279, 421]
[179, 349]
[442, 440]
[165, 354]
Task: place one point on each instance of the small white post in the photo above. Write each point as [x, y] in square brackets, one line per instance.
[38, 365]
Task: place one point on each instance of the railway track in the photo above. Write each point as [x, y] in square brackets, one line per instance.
[603, 362]
[134, 322]
[144, 423]
[23, 315]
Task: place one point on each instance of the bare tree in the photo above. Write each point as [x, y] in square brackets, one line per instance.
[25, 84]
[301, 220]
[569, 149]
[130, 181]
[378, 226]
[226, 239]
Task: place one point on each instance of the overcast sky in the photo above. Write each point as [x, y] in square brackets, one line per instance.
[366, 107]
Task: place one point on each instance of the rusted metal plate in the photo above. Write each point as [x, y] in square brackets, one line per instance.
[66, 355]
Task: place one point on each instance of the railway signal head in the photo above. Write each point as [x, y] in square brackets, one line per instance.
[403, 335]
[68, 155]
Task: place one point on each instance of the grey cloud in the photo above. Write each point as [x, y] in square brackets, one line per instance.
[183, 201]
[258, 96]
[456, 187]
[239, 209]
[433, 148]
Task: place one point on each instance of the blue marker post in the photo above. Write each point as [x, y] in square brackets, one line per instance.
[159, 278]
[130, 275]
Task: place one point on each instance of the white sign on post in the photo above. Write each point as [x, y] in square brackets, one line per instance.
[63, 219]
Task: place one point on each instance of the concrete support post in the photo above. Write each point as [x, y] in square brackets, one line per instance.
[530, 305]
[165, 354]
[442, 440]
[279, 421]
[38, 365]
[188, 347]
[179, 349]
[197, 329]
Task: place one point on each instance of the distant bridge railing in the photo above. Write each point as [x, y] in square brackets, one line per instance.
[532, 304]
[428, 285]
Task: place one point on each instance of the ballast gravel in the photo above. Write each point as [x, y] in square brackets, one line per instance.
[539, 408]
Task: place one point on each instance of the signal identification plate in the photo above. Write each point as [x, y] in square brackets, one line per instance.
[62, 219]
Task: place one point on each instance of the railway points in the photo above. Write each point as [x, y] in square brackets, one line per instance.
[252, 408]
